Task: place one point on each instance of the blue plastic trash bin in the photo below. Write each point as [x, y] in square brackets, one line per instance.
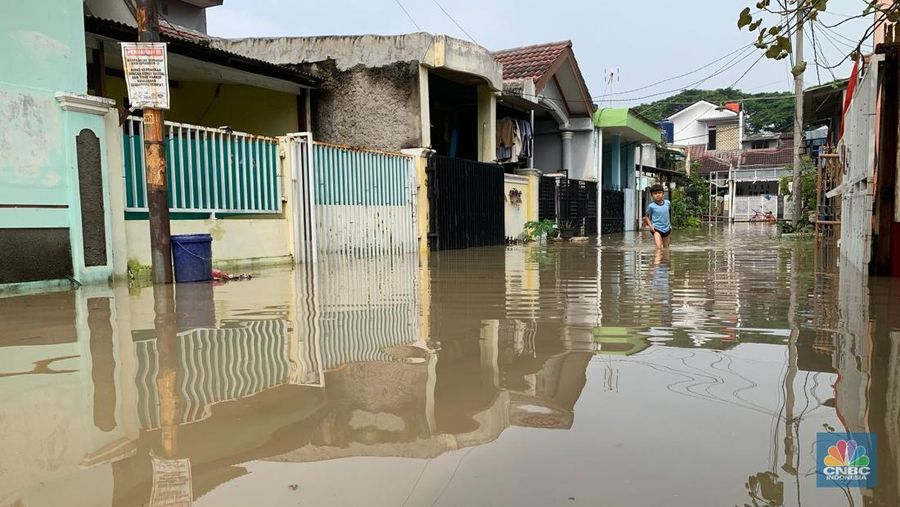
[192, 254]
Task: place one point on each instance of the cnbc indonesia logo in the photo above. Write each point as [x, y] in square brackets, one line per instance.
[844, 462]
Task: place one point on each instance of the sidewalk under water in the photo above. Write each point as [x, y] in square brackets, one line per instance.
[598, 373]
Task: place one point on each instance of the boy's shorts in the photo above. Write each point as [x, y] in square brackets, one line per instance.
[664, 234]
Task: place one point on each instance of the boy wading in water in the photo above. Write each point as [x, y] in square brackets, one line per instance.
[657, 217]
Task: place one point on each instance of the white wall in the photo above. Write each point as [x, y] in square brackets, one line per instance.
[645, 154]
[515, 215]
[583, 147]
[548, 149]
[689, 130]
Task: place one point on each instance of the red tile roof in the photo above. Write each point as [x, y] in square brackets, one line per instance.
[530, 61]
[774, 157]
[711, 161]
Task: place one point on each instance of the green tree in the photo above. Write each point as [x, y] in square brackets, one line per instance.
[775, 24]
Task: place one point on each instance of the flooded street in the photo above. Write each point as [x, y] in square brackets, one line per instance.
[570, 374]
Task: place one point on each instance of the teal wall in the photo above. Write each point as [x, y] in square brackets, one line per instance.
[42, 52]
[42, 46]
[618, 163]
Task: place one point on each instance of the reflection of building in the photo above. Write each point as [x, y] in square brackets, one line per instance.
[67, 391]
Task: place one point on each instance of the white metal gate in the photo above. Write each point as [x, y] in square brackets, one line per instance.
[747, 206]
[353, 202]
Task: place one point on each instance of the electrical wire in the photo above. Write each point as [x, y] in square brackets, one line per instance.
[408, 15]
[454, 21]
[733, 62]
[710, 64]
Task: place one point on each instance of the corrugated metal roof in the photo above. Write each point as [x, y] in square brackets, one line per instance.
[196, 45]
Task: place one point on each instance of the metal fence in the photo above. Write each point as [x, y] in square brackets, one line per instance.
[466, 202]
[365, 201]
[208, 170]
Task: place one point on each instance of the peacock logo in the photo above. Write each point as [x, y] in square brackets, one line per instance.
[846, 453]
[844, 462]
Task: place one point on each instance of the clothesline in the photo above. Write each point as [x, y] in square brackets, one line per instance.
[515, 140]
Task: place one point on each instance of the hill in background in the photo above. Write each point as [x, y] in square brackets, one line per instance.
[765, 111]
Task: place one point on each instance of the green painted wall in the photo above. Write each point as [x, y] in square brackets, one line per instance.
[625, 118]
[41, 52]
[243, 108]
[42, 46]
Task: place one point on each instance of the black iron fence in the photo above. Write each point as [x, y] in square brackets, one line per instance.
[613, 211]
[466, 203]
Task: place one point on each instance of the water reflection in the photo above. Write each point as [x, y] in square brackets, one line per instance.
[524, 375]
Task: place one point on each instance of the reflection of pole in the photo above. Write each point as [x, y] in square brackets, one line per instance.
[167, 377]
[791, 375]
[155, 155]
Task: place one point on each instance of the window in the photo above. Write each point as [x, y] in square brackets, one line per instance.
[711, 143]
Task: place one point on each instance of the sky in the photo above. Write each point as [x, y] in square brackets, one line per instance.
[640, 43]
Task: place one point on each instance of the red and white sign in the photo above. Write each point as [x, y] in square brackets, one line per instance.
[146, 74]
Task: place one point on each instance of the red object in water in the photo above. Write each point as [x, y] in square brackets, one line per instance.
[218, 274]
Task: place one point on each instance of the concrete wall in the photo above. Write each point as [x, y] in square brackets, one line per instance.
[583, 157]
[348, 51]
[376, 91]
[236, 242]
[43, 54]
[377, 107]
[515, 215]
[243, 108]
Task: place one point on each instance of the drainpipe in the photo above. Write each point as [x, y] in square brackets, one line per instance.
[566, 136]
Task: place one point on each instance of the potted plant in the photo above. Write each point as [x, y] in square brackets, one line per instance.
[567, 229]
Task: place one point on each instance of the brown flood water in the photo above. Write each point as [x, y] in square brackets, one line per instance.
[577, 374]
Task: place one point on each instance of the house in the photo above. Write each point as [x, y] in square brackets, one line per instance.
[413, 91]
[627, 144]
[73, 205]
[431, 97]
[545, 96]
[719, 128]
[745, 184]
[53, 199]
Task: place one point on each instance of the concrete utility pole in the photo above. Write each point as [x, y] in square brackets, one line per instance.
[799, 67]
[155, 155]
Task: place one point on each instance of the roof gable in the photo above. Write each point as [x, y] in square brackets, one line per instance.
[692, 107]
[530, 61]
[550, 66]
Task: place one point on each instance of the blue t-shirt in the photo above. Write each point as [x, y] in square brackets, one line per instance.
[659, 215]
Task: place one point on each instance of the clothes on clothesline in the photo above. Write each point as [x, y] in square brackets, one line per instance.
[515, 140]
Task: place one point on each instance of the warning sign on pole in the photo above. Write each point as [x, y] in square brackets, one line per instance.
[146, 74]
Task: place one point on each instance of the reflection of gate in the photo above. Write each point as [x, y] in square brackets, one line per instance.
[351, 201]
[612, 212]
[466, 202]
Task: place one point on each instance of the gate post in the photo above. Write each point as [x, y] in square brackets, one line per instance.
[531, 203]
[423, 212]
